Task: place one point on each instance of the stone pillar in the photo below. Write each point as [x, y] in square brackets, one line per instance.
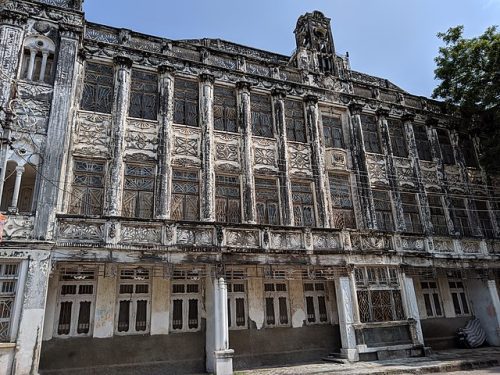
[166, 112]
[17, 187]
[121, 99]
[105, 301]
[58, 133]
[245, 121]
[160, 306]
[318, 160]
[412, 308]
[207, 196]
[486, 307]
[297, 307]
[210, 286]
[29, 337]
[51, 306]
[255, 298]
[368, 217]
[278, 100]
[346, 318]
[444, 288]
[223, 356]
[43, 68]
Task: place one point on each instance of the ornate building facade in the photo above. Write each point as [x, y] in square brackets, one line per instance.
[191, 205]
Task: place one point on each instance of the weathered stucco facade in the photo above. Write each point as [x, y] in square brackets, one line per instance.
[158, 192]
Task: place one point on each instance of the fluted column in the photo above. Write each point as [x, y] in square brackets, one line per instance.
[318, 160]
[360, 167]
[166, 115]
[245, 122]
[207, 197]
[59, 125]
[17, 188]
[278, 100]
[382, 114]
[121, 99]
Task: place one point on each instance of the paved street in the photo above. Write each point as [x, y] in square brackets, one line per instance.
[486, 371]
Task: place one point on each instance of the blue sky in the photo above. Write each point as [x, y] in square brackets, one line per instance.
[393, 39]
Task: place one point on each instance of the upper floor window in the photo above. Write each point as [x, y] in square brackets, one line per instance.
[144, 95]
[383, 210]
[185, 195]
[468, 150]
[262, 118]
[9, 274]
[97, 88]
[446, 147]
[460, 216]
[315, 298]
[303, 204]
[227, 199]
[438, 217]
[225, 109]
[138, 191]
[423, 143]
[186, 102]
[411, 213]
[343, 208]
[87, 194]
[430, 292]
[370, 134]
[38, 59]
[276, 303]
[483, 215]
[294, 118]
[332, 131]
[398, 142]
[267, 201]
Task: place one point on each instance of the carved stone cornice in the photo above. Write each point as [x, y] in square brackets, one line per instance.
[123, 61]
[383, 112]
[12, 18]
[70, 31]
[408, 117]
[278, 93]
[243, 85]
[356, 108]
[207, 77]
[166, 69]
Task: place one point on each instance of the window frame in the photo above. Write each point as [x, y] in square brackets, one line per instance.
[276, 295]
[460, 216]
[387, 212]
[185, 96]
[316, 294]
[12, 297]
[185, 278]
[227, 198]
[181, 177]
[295, 121]
[448, 157]
[141, 93]
[85, 208]
[462, 295]
[437, 217]
[336, 184]
[236, 277]
[422, 142]
[413, 216]
[431, 289]
[139, 192]
[371, 134]
[221, 104]
[333, 133]
[260, 115]
[260, 193]
[398, 139]
[301, 193]
[97, 105]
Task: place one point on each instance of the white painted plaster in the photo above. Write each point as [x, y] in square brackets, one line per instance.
[160, 313]
[104, 317]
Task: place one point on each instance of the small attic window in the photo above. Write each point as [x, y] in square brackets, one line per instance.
[38, 59]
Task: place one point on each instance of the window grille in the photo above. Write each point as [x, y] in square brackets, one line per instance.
[422, 141]
[237, 299]
[459, 297]
[379, 294]
[186, 102]
[185, 195]
[411, 213]
[227, 199]
[38, 59]
[483, 215]
[144, 95]
[332, 132]
[438, 217]
[446, 147]
[87, 195]
[370, 134]
[262, 118]
[294, 119]
[315, 299]
[97, 88]
[398, 141]
[9, 274]
[134, 297]
[276, 304]
[432, 300]
[138, 196]
[225, 109]
[460, 217]
[185, 304]
[267, 201]
[383, 210]
[76, 302]
[467, 147]
[343, 208]
[303, 204]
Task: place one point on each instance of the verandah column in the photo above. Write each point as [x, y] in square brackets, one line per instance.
[346, 310]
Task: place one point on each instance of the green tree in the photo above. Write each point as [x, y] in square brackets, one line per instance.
[469, 71]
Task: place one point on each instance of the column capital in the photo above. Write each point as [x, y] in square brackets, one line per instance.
[431, 121]
[207, 77]
[408, 117]
[243, 85]
[278, 92]
[20, 169]
[311, 99]
[123, 61]
[383, 112]
[356, 108]
[166, 69]
[70, 31]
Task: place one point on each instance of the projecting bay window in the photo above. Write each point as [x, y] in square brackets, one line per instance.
[446, 147]
[185, 302]
[134, 295]
[185, 195]
[460, 216]
[295, 123]
[411, 213]
[225, 109]
[186, 102]
[9, 274]
[236, 299]
[483, 215]
[262, 118]
[383, 210]
[138, 190]
[87, 194]
[343, 208]
[398, 142]
[97, 88]
[276, 304]
[144, 95]
[303, 204]
[332, 132]
[422, 141]
[227, 199]
[459, 297]
[370, 134]
[438, 217]
[266, 194]
[315, 299]
[379, 294]
[430, 292]
[76, 302]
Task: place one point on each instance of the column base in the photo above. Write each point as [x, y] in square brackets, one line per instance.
[223, 362]
[351, 355]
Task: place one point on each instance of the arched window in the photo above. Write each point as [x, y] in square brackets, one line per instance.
[38, 59]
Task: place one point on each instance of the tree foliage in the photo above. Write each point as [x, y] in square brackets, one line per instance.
[469, 71]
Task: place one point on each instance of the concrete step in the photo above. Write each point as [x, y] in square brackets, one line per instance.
[336, 358]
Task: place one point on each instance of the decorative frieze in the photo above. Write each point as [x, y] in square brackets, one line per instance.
[142, 234]
[326, 241]
[76, 231]
[242, 238]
